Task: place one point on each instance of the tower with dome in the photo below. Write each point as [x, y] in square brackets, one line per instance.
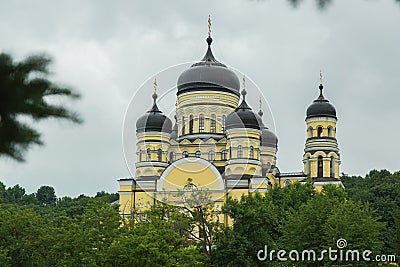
[218, 143]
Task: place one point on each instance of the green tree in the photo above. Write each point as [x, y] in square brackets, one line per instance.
[46, 195]
[15, 194]
[152, 241]
[21, 229]
[320, 222]
[356, 224]
[26, 91]
[381, 190]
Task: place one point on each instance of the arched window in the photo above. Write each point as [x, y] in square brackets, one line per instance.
[201, 123]
[309, 132]
[319, 131]
[230, 152]
[223, 154]
[320, 167]
[308, 167]
[223, 123]
[148, 155]
[332, 167]
[198, 154]
[183, 124]
[330, 131]
[171, 156]
[185, 154]
[211, 155]
[213, 123]
[251, 152]
[239, 152]
[191, 124]
[159, 154]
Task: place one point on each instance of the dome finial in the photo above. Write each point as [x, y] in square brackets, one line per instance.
[244, 93]
[320, 83]
[209, 26]
[155, 90]
[209, 39]
[155, 108]
[260, 112]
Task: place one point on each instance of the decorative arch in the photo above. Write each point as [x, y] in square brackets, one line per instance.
[203, 174]
[320, 153]
[332, 154]
[238, 170]
[148, 172]
[252, 171]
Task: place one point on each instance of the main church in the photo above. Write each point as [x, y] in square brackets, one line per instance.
[219, 144]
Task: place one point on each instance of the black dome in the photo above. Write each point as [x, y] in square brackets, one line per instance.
[321, 107]
[243, 117]
[268, 138]
[154, 120]
[208, 74]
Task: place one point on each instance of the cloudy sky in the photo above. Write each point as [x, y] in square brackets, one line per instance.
[107, 49]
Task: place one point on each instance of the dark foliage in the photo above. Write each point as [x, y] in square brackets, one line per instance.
[26, 93]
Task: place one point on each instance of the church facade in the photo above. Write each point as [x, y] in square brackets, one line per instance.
[218, 143]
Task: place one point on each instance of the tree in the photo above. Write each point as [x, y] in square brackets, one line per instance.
[46, 195]
[381, 190]
[326, 218]
[26, 92]
[153, 241]
[15, 194]
[200, 212]
[255, 220]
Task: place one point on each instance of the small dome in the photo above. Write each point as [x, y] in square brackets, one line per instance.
[268, 138]
[243, 117]
[208, 74]
[154, 120]
[321, 107]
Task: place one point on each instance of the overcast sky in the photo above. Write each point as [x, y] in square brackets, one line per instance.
[107, 49]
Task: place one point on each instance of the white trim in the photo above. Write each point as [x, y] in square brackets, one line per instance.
[243, 161]
[125, 192]
[125, 183]
[321, 118]
[151, 164]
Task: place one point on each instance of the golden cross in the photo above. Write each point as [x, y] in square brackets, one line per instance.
[209, 26]
[155, 85]
[260, 102]
[244, 82]
[320, 76]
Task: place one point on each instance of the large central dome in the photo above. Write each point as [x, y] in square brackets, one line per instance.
[208, 74]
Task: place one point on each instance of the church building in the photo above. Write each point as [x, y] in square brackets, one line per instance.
[218, 143]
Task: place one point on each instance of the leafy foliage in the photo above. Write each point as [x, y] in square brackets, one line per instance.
[381, 191]
[46, 195]
[26, 92]
[88, 231]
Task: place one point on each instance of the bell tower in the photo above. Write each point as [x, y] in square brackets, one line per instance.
[321, 157]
